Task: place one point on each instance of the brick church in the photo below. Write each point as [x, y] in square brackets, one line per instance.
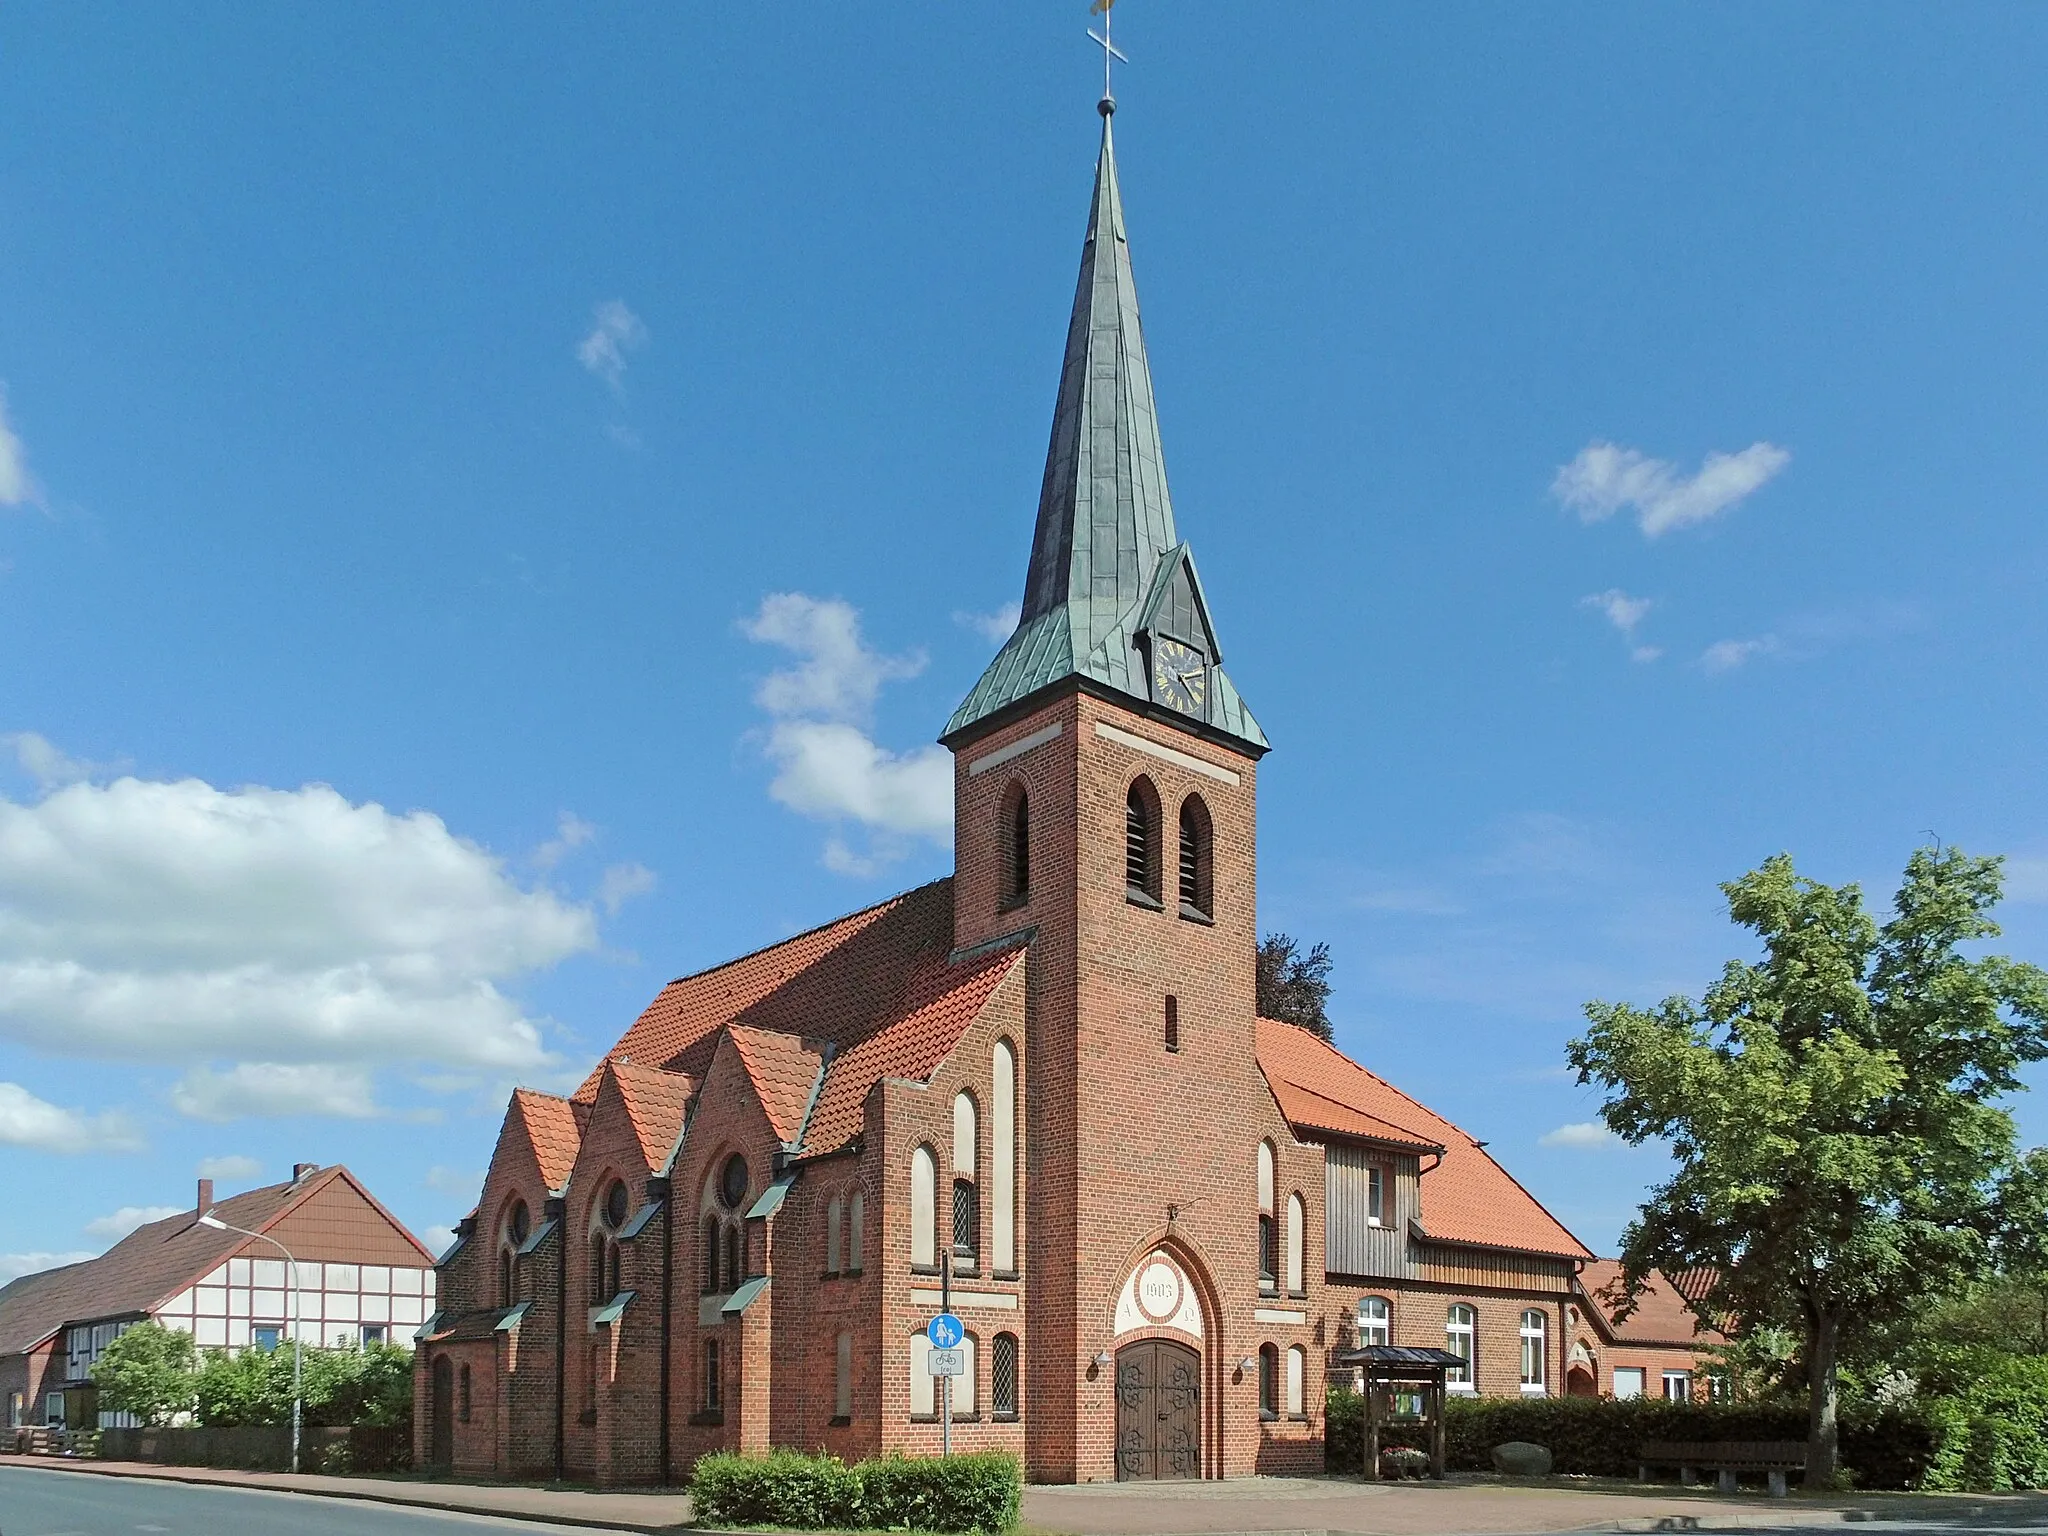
[1161, 1212]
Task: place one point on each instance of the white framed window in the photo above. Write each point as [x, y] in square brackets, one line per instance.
[1376, 1197]
[377, 1333]
[265, 1336]
[1628, 1381]
[1375, 1322]
[1297, 1372]
[923, 1396]
[842, 1377]
[924, 1207]
[1002, 1159]
[1296, 1219]
[966, 1404]
[1461, 1328]
[1678, 1386]
[1535, 1353]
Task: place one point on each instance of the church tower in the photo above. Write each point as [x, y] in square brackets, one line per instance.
[1105, 770]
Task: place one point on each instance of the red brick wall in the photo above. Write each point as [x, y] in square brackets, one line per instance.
[1117, 1127]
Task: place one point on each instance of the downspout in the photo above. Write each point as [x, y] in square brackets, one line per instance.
[558, 1211]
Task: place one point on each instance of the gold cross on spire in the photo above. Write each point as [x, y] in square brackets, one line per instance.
[1109, 50]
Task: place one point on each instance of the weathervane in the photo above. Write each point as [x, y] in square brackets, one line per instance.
[1109, 50]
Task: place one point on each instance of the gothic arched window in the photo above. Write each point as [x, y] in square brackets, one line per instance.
[1017, 848]
[1141, 843]
[1197, 880]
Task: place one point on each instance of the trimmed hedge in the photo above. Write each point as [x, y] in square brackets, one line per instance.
[978, 1492]
[1900, 1446]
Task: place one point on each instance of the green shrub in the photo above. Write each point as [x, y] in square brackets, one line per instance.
[978, 1492]
[1993, 1410]
[148, 1371]
[1888, 1446]
[782, 1488]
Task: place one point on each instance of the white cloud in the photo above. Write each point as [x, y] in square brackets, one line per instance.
[995, 627]
[833, 772]
[1727, 655]
[1605, 478]
[439, 1239]
[837, 676]
[128, 1218]
[233, 1168]
[15, 485]
[615, 331]
[571, 832]
[179, 922]
[14, 1265]
[274, 1089]
[1625, 613]
[827, 765]
[620, 883]
[1585, 1134]
[453, 1181]
[27, 1121]
[44, 762]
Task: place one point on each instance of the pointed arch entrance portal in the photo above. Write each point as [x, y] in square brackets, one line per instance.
[1158, 1411]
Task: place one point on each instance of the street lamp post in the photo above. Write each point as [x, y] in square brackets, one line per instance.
[298, 1349]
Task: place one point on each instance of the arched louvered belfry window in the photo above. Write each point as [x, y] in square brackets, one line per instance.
[1197, 879]
[1016, 847]
[1141, 843]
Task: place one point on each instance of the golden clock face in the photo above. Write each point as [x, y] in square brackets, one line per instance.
[1180, 676]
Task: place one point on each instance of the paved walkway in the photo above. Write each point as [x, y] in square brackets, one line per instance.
[1305, 1506]
[1460, 1507]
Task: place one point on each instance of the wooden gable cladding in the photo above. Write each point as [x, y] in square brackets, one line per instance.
[1448, 1264]
[1353, 1243]
[338, 1221]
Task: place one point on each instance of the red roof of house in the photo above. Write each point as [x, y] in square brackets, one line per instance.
[554, 1128]
[784, 1071]
[152, 1263]
[936, 1007]
[655, 1101]
[1466, 1198]
[837, 984]
[1660, 1315]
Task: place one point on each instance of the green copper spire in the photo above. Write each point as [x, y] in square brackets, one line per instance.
[1108, 575]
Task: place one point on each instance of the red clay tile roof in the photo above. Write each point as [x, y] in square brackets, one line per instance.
[1660, 1316]
[1466, 1198]
[555, 1129]
[146, 1267]
[937, 1005]
[655, 1101]
[836, 984]
[784, 1070]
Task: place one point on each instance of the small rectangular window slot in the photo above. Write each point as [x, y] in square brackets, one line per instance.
[1173, 1024]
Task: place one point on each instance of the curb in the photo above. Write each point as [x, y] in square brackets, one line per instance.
[369, 1494]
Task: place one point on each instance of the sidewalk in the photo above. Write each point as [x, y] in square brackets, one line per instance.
[1315, 1506]
[1269, 1506]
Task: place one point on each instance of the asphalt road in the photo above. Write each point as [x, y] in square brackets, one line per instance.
[39, 1503]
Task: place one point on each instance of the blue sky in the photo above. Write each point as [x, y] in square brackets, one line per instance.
[1611, 437]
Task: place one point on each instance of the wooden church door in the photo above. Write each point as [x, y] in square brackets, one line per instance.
[1158, 1411]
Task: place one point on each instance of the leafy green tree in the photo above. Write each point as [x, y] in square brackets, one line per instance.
[1833, 1110]
[148, 1371]
[1294, 987]
[372, 1385]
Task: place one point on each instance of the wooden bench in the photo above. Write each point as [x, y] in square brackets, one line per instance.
[33, 1440]
[1726, 1459]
